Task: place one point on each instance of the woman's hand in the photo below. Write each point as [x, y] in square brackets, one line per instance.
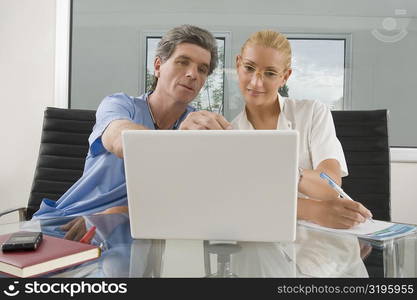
[336, 213]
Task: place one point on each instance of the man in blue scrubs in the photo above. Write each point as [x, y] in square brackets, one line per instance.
[186, 55]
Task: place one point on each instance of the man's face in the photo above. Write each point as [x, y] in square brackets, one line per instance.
[182, 75]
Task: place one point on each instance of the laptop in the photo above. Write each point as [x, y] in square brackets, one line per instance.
[228, 185]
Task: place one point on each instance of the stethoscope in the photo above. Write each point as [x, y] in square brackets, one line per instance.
[176, 124]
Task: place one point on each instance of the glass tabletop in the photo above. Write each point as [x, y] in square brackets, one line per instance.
[313, 254]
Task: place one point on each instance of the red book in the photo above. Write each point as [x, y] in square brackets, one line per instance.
[53, 254]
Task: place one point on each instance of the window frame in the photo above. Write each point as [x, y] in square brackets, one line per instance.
[63, 36]
[397, 154]
[347, 80]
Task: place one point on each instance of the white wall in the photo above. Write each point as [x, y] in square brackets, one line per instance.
[27, 39]
[403, 192]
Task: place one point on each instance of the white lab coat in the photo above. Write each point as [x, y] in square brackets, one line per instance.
[314, 122]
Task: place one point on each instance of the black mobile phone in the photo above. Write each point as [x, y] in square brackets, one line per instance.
[22, 240]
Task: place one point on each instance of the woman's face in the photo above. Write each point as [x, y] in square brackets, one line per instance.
[261, 73]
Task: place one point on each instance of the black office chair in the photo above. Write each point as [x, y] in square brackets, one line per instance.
[364, 137]
[62, 153]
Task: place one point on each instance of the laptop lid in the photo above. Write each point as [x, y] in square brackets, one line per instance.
[236, 185]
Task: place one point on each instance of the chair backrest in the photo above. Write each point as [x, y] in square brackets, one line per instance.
[363, 134]
[364, 137]
[62, 153]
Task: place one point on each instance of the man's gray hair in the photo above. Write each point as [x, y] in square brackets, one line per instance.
[187, 34]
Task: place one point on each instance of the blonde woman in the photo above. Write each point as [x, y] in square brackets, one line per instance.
[263, 66]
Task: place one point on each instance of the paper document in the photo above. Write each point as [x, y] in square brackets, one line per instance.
[374, 230]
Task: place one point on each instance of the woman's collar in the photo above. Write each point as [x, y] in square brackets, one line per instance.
[282, 124]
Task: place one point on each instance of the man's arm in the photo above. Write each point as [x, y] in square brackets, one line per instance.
[112, 135]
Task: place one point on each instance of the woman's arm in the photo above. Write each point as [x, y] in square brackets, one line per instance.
[312, 185]
[324, 206]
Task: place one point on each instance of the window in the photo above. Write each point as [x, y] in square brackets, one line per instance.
[318, 72]
[211, 96]
[319, 69]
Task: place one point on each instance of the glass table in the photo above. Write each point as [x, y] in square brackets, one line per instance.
[313, 254]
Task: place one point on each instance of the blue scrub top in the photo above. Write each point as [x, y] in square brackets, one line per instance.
[103, 183]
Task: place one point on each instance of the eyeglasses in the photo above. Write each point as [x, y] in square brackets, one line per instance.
[249, 68]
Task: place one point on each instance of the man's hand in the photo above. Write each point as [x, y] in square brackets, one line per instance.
[75, 229]
[114, 210]
[205, 120]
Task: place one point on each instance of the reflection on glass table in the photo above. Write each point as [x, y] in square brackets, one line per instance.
[313, 254]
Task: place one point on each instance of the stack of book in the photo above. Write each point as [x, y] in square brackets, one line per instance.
[53, 254]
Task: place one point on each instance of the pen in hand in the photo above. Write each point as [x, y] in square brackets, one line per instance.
[338, 189]
[89, 235]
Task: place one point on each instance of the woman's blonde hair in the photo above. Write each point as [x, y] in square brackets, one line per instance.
[271, 39]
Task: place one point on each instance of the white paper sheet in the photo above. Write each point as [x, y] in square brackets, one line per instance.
[372, 229]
